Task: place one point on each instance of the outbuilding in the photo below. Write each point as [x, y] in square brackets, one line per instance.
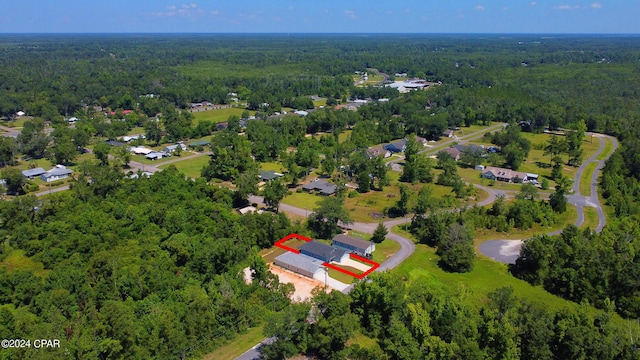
[300, 263]
[33, 173]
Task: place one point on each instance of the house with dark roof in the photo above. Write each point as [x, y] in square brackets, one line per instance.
[269, 175]
[114, 143]
[397, 146]
[194, 144]
[323, 187]
[323, 252]
[448, 133]
[353, 244]
[472, 148]
[156, 155]
[33, 173]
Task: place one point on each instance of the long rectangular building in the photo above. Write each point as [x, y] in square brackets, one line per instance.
[355, 245]
[300, 263]
[322, 251]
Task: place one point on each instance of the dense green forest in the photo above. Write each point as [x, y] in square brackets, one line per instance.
[151, 267]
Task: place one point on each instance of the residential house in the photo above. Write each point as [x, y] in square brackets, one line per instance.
[448, 133]
[323, 187]
[269, 175]
[421, 141]
[194, 144]
[355, 245]
[323, 252]
[114, 143]
[57, 173]
[247, 210]
[506, 175]
[171, 148]
[141, 150]
[473, 148]
[33, 173]
[397, 146]
[156, 155]
[378, 150]
[132, 137]
[453, 152]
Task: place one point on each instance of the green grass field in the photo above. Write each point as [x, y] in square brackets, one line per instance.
[487, 275]
[16, 260]
[585, 181]
[608, 148]
[190, 167]
[385, 250]
[238, 346]
[218, 115]
[590, 218]
[302, 200]
[272, 166]
[342, 277]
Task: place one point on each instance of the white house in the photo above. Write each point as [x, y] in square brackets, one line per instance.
[141, 150]
[57, 173]
[171, 148]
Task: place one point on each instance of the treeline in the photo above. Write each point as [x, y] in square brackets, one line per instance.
[387, 317]
[489, 78]
[134, 268]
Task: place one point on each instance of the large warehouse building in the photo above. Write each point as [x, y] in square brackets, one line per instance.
[301, 264]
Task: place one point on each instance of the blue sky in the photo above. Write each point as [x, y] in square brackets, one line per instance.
[324, 16]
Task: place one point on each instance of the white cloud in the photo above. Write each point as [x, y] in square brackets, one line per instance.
[215, 12]
[566, 7]
[172, 7]
[291, 8]
[351, 14]
[596, 6]
[533, 3]
[480, 8]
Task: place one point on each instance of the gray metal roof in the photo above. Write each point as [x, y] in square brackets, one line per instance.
[322, 250]
[349, 240]
[300, 261]
[33, 172]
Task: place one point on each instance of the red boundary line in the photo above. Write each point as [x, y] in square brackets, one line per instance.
[374, 265]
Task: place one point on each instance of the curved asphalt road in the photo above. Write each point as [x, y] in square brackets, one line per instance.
[507, 251]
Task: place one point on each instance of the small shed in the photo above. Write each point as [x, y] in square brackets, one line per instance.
[479, 167]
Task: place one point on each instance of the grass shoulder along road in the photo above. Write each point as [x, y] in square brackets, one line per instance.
[608, 148]
[585, 180]
[238, 346]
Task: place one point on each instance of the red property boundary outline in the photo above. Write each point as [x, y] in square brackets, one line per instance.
[374, 265]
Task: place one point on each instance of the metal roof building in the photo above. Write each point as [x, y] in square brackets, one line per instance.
[358, 246]
[301, 264]
[322, 251]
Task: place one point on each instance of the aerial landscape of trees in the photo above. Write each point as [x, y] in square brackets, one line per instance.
[123, 265]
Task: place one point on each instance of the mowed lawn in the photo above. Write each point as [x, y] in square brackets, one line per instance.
[218, 115]
[190, 167]
[487, 276]
[16, 260]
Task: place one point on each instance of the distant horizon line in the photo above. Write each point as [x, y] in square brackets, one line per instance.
[326, 33]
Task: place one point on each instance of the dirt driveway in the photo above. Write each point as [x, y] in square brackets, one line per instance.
[303, 284]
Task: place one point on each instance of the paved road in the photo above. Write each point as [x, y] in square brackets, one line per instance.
[9, 132]
[507, 251]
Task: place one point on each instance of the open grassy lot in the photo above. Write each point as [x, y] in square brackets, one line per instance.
[568, 217]
[318, 103]
[384, 250]
[218, 115]
[272, 166]
[302, 200]
[16, 260]
[487, 275]
[271, 253]
[17, 123]
[344, 136]
[238, 346]
[190, 167]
